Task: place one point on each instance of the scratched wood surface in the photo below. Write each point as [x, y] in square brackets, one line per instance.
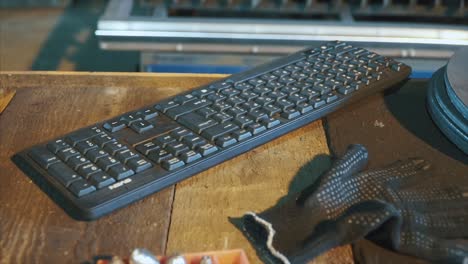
[34, 230]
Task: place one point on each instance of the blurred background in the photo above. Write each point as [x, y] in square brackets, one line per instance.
[220, 36]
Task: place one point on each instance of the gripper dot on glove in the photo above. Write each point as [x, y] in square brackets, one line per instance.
[399, 207]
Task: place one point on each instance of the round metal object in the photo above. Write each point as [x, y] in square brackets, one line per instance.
[457, 81]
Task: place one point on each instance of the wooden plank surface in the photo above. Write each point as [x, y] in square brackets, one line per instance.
[34, 229]
[5, 98]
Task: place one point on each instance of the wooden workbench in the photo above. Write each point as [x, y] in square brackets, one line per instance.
[191, 216]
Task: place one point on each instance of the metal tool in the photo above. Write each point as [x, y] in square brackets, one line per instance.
[143, 256]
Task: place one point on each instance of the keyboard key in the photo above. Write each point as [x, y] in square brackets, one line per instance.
[86, 170]
[274, 85]
[256, 82]
[243, 86]
[194, 141]
[221, 106]
[216, 97]
[221, 85]
[43, 157]
[162, 141]
[145, 148]
[218, 130]
[270, 122]
[182, 99]
[256, 128]
[125, 155]
[81, 188]
[241, 134]
[264, 100]
[250, 106]
[331, 97]
[235, 100]
[230, 92]
[67, 153]
[207, 149]
[114, 126]
[248, 95]
[243, 121]
[179, 133]
[85, 146]
[196, 122]
[290, 113]
[159, 155]
[120, 172]
[202, 93]
[163, 107]
[113, 146]
[297, 98]
[139, 164]
[101, 180]
[318, 102]
[95, 154]
[148, 113]
[141, 126]
[284, 104]
[261, 90]
[309, 93]
[236, 111]
[345, 90]
[322, 89]
[128, 119]
[225, 141]
[176, 112]
[172, 164]
[304, 108]
[257, 115]
[76, 161]
[81, 135]
[176, 148]
[206, 112]
[102, 139]
[289, 90]
[57, 145]
[271, 109]
[190, 156]
[106, 162]
[64, 174]
[221, 117]
[276, 95]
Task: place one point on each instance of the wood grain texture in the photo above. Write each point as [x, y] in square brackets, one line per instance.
[5, 97]
[34, 230]
[253, 181]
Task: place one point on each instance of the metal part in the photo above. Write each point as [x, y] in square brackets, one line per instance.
[177, 259]
[125, 24]
[458, 79]
[206, 260]
[143, 256]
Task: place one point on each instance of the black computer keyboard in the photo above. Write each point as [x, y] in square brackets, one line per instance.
[95, 170]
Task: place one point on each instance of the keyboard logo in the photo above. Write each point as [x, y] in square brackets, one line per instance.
[120, 183]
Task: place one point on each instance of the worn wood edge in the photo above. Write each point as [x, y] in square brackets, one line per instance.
[25, 80]
[130, 74]
[5, 99]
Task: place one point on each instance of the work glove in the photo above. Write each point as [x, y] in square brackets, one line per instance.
[400, 207]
